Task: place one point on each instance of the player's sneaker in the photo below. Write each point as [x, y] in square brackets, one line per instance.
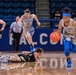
[32, 49]
[69, 63]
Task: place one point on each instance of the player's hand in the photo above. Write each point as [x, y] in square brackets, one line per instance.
[57, 31]
[39, 23]
[2, 29]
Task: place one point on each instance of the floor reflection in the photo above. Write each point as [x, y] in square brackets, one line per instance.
[35, 68]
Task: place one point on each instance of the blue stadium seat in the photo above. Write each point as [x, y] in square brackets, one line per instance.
[54, 5]
[29, 5]
[3, 1]
[12, 1]
[62, 5]
[72, 1]
[20, 5]
[3, 11]
[64, 1]
[72, 6]
[3, 5]
[12, 11]
[20, 11]
[55, 1]
[2, 16]
[8, 23]
[11, 16]
[30, 1]
[12, 5]
[32, 11]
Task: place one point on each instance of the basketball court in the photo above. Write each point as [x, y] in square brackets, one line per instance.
[51, 63]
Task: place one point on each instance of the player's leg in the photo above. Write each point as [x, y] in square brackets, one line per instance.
[14, 58]
[29, 39]
[74, 48]
[67, 45]
[74, 45]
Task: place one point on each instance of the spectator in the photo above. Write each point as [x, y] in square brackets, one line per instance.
[57, 14]
[74, 14]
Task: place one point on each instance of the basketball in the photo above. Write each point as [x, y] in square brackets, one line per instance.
[55, 36]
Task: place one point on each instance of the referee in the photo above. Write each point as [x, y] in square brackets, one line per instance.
[16, 29]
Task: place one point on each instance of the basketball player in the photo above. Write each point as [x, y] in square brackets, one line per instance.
[69, 32]
[28, 29]
[24, 57]
[2, 28]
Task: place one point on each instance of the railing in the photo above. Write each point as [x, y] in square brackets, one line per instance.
[53, 22]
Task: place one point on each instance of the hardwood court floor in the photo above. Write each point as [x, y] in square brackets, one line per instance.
[52, 63]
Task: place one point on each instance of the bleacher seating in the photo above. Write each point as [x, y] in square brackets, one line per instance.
[9, 9]
[60, 4]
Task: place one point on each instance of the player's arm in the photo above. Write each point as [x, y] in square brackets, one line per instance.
[60, 26]
[3, 25]
[74, 22]
[36, 55]
[37, 21]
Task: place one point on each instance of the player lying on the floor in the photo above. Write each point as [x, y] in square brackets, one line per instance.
[24, 57]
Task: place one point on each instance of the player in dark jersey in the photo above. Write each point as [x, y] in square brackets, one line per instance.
[24, 57]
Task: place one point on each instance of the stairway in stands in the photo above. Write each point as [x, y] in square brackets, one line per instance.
[43, 11]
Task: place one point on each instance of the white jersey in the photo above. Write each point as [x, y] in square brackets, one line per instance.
[69, 30]
[28, 24]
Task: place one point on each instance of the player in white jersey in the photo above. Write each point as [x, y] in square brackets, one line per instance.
[2, 27]
[69, 32]
[28, 29]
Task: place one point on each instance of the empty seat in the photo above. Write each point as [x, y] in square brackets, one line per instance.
[8, 23]
[2, 16]
[29, 5]
[12, 5]
[72, 6]
[64, 1]
[54, 5]
[30, 1]
[3, 11]
[20, 5]
[10, 16]
[72, 1]
[62, 5]
[3, 5]
[20, 11]
[55, 1]
[12, 11]
[12, 1]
